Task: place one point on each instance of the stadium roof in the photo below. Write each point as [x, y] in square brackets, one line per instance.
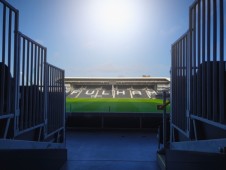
[113, 80]
[117, 78]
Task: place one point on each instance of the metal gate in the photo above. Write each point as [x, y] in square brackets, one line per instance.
[198, 71]
[31, 90]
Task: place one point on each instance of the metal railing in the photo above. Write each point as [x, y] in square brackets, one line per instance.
[199, 68]
[207, 61]
[55, 99]
[8, 51]
[31, 80]
[180, 52]
[31, 90]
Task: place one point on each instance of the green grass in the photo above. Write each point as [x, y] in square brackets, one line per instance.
[113, 105]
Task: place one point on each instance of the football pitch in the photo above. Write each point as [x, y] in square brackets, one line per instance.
[113, 105]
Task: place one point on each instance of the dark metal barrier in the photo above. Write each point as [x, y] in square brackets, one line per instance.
[198, 73]
[207, 61]
[31, 91]
[55, 99]
[180, 52]
[31, 80]
[8, 50]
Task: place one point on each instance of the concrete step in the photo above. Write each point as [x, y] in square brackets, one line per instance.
[187, 160]
[35, 159]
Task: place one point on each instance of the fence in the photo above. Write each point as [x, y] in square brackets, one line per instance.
[55, 99]
[198, 69]
[180, 52]
[31, 90]
[7, 65]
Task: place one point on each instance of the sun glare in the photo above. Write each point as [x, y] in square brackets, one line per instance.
[113, 18]
[107, 24]
[114, 15]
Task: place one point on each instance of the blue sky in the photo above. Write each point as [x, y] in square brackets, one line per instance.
[106, 38]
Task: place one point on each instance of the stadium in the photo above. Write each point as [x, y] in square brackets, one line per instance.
[110, 102]
[49, 121]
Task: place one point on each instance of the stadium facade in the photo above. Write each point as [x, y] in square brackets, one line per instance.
[116, 87]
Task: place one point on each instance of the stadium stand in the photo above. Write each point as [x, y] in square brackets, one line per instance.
[116, 87]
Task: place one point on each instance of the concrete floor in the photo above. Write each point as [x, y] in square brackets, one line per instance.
[111, 150]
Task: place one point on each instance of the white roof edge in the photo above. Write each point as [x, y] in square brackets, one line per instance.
[118, 78]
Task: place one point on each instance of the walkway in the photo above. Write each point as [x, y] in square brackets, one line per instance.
[117, 150]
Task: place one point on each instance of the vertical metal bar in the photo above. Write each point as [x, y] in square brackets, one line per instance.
[58, 98]
[194, 62]
[9, 92]
[41, 89]
[215, 74]
[174, 83]
[199, 78]
[35, 87]
[16, 92]
[55, 94]
[180, 86]
[63, 109]
[51, 99]
[17, 57]
[22, 87]
[2, 90]
[31, 88]
[203, 59]
[61, 91]
[171, 96]
[190, 60]
[184, 80]
[45, 95]
[38, 86]
[177, 98]
[164, 120]
[209, 77]
[64, 116]
[222, 64]
[187, 78]
[27, 102]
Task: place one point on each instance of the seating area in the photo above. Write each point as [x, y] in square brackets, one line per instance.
[111, 92]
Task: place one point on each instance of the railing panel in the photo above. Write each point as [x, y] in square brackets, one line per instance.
[205, 67]
[8, 28]
[179, 81]
[55, 98]
[31, 91]
[32, 57]
[208, 66]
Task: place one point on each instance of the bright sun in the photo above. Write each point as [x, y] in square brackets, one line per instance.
[112, 15]
[111, 23]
